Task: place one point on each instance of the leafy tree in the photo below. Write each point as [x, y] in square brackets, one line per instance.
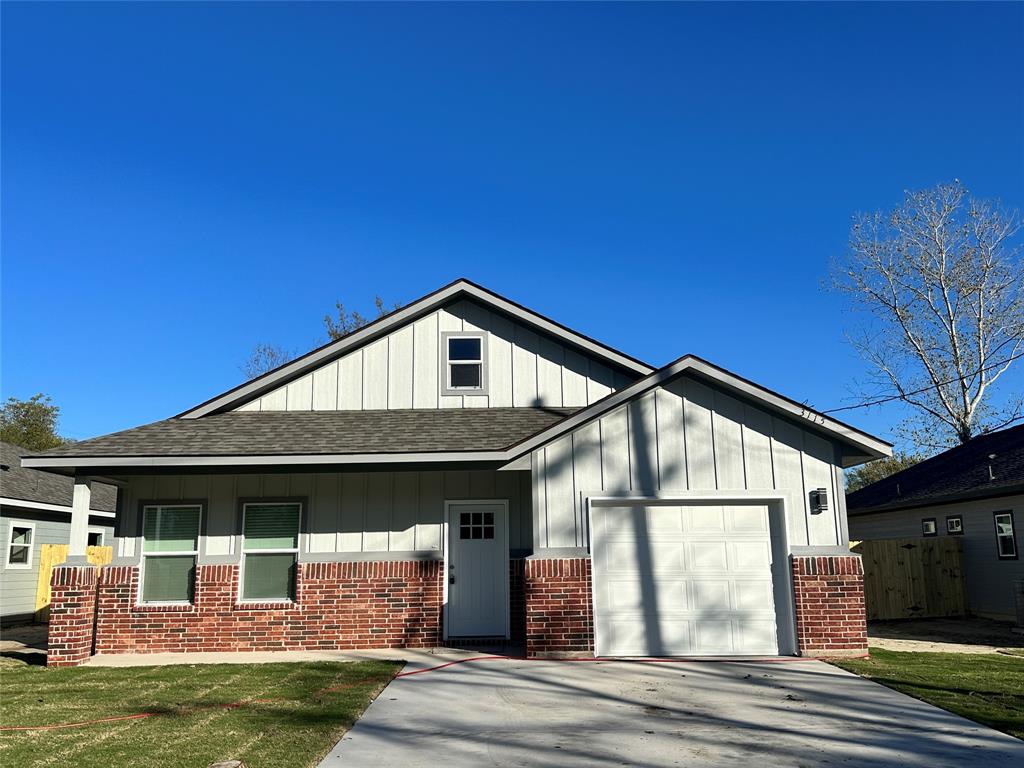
[940, 284]
[31, 424]
[267, 357]
[873, 471]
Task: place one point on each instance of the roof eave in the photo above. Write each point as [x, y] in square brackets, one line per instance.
[384, 325]
[937, 501]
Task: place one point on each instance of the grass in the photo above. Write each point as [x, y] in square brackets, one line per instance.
[985, 688]
[287, 714]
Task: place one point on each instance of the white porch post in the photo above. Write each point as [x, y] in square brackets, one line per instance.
[80, 502]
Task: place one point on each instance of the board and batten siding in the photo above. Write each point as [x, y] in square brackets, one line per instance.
[988, 580]
[403, 370]
[18, 585]
[687, 436]
[349, 512]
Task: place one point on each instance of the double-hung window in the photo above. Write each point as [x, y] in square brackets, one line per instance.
[170, 545]
[1006, 536]
[464, 370]
[270, 548]
[19, 545]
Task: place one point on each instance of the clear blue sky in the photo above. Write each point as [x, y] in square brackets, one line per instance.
[183, 181]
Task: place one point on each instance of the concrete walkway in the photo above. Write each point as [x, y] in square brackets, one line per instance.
[550, 713]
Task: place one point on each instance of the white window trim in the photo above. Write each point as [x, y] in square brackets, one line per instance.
[1012, 535]
[102, 533]
[31, 545]
[183, 553]
[276, 551]
[446, 365]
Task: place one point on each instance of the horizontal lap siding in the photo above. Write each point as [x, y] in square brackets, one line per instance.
[402, 370]
[988, 580]
[686, 436]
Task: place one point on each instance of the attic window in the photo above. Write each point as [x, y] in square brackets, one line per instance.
[464, 368]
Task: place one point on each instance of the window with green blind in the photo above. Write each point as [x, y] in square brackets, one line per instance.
[170, 544]
[270, 550]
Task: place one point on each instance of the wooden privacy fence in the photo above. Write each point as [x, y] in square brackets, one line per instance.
[912, 578]
[55, 554]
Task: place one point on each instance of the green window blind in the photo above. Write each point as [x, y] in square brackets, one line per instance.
[171, 529]
[169, 579]
[271, 526]
[269, 577]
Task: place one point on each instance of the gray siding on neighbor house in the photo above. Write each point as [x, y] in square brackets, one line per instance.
[989, 580]
[349, 513]
[403, 370]
[686, 436]
[18, 585]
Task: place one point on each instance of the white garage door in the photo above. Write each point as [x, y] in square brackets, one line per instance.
[683, 580]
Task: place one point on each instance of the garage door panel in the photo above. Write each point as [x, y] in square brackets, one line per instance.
[683, 580]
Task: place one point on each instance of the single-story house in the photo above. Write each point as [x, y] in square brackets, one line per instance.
[35, 509]
[974, 491]
[466, 470]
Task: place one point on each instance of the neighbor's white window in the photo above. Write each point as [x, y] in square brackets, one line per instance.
[270, 549]
[1006, 536]
[19, 545]
[465, 362]
[95, 538]
[170, 546]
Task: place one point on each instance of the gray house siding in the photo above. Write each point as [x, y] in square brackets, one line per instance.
[683, 437]
[18, 585]
[403, 370]
[350, 514]
[989, 580]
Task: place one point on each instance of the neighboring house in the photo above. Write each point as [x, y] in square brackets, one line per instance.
[35, 509]
[974, 491]
[466, 470]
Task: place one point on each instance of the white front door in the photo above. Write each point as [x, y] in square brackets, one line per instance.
[673, 580]
[477, 565]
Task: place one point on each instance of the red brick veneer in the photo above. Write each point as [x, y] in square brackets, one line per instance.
[72, 612]
[388, 604]
[831, 619]
[559, 617]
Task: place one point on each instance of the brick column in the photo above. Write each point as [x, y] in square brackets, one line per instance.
[72, 614]
[831, 619]
[559, 616]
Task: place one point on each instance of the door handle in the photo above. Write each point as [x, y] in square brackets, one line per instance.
[451, 573]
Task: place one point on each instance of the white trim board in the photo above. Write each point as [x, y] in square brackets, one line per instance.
[44, 507]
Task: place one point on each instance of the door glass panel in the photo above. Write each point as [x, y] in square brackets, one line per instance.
[476, 525]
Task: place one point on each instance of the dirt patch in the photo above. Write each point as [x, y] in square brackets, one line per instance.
[966, 635]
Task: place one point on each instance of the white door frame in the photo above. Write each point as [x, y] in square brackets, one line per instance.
[450, 504]
[785, 608]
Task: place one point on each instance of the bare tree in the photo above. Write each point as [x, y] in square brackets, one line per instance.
[940, 281]
[267, 357]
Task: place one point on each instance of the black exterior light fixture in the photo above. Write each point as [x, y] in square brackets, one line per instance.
[819, 501]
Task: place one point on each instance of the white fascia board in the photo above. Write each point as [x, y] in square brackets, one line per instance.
[42, 506]
[400, 317]
[871, 446]
[72, 462]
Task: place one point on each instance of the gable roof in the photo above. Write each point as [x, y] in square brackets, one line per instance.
[318, 436]
[19, 484]
[450, 293]
[959, 473]
[860, 445]
[281, 437]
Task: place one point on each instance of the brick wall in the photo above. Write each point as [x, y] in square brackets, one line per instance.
[830, 616]
[338, 606]
[559, 618]
[72, 612]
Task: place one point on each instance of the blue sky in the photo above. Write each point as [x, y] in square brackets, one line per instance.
[182, 181]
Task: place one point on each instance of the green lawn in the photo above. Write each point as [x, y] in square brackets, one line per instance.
[281, 715]
[986, 688]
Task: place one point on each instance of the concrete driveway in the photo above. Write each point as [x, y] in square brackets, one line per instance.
[537, 713]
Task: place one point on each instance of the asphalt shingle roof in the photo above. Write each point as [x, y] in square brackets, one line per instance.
[957, 473]
[283, 433]
[18, 482]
